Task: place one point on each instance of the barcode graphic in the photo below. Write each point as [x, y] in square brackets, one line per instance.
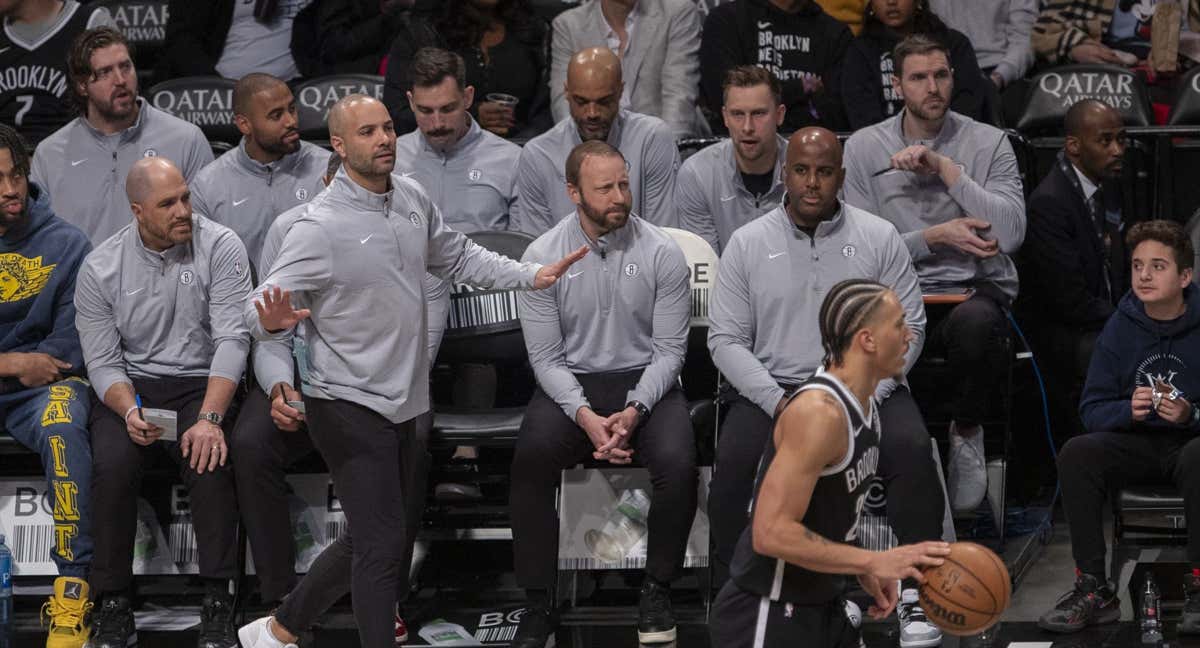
[699, 302]
[31, 542]
[637, 562]
[479, 309]
[503, 634]
[875, 534]
[183, 543]
[334, 529]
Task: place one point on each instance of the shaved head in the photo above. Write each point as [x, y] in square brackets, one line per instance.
[250, 85]
[1085, 112]
[148, 173]
[816, 139]
[340, 115]
[594, 65]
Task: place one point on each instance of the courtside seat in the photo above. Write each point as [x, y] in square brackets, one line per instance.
[206, 101]
[315, 97]
[144, 24]
[1148, 526]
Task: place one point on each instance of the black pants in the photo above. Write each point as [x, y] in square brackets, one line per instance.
[915, 495]
[1093, 465]
[117, 468]
[549, 442]
[974, 335]
[373, 462]
[264, 453]
[740, 619]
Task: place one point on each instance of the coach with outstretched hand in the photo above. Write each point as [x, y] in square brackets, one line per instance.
[354, 265]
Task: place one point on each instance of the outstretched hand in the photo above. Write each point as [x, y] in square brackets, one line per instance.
[549, 274]
[275, 311]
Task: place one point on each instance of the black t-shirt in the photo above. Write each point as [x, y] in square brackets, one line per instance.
[34, 82]
[758, 184]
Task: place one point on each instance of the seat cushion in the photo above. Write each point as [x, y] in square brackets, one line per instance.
[477, 426]
[1157, 497]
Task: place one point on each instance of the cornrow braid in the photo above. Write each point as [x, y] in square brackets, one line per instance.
[10, 139]
[845, 310]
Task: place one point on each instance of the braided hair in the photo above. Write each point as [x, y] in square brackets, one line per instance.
[10, 139]
[846, 309]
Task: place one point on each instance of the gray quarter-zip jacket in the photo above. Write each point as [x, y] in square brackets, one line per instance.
[246, 196]
[989, 189]
[84, 170]
[273, 358]
[712, 199]
[651, 156]
[358, 260]
[176, 313]
[474, 184]
[624, 306]
[771, 281]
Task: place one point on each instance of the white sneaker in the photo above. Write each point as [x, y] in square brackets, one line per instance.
[915, 629]
[256, 635]
[966, 477]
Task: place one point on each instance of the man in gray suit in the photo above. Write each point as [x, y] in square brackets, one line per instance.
[658, 42]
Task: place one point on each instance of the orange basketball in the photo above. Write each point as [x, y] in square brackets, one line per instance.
[969, 592]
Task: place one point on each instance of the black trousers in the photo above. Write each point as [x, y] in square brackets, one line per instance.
[973, 335]
[915, 496]
[1093, 465]
[264, 453]
[117, 468]
[373, 462]
[740, 619]
[549, 442]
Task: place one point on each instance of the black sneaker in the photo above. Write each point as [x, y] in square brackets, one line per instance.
[112, 624]
[1189, 623]
[656, 620]
[536, 629]
[1090, 603]
[216, 623]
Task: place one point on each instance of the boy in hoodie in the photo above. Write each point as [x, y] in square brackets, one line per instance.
[1141, 410]
[44, 404]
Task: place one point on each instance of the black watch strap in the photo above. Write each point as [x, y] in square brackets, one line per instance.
[642, 410]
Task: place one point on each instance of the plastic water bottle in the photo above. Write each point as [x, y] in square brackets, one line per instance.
[6, 609]
[1151, 613]
[625, 527]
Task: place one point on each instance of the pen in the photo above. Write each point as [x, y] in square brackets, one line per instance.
[137, 398]
[881, 172]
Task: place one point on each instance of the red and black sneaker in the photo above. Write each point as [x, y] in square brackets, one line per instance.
[401, 630]
[1090, 603]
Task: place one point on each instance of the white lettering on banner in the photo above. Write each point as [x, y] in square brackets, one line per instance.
[141, 23]
[323, 98]
[1114, 90]
[1196, 83]
[195, 100]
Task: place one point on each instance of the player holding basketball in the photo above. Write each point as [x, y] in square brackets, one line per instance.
[813, 480]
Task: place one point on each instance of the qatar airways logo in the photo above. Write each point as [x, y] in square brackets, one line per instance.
[1116, 90]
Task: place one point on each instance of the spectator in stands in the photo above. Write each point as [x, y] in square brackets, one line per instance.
[368, 382]
[658, 42]
[468, 172]
[44, 402]
[351, 36]
[1141, 411]
[646, 143]
[1073, 255]
[848, 12]
[503, 46]
[1099, 31]
[795, 39]
[159, 317]
[83, 165]
[999, 32]
[231, 38]
[950, 185]
[764, 339]
[34, 43]
[270, 171]
[730, 183]
[869, 77]
[608, 387]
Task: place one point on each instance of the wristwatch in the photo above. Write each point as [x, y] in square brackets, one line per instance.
[211, 417]
[642, 410]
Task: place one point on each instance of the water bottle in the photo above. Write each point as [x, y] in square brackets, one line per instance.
[1151, 613]
[625, 527]
[6, 611]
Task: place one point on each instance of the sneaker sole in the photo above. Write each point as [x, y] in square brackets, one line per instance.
[921, 643]
[401, 639]
[665, 636]
[1063, 628]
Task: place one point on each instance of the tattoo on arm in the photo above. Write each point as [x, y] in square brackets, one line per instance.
[815, 537]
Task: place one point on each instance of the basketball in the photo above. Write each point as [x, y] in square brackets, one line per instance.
[969, 592]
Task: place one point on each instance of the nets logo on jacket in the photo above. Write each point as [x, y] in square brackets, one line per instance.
[22, 277]
[1161, 372]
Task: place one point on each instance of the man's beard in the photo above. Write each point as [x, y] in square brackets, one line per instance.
[601, 218]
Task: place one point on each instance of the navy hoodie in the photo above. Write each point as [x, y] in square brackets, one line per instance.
[1134, 351]
[38, 264]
